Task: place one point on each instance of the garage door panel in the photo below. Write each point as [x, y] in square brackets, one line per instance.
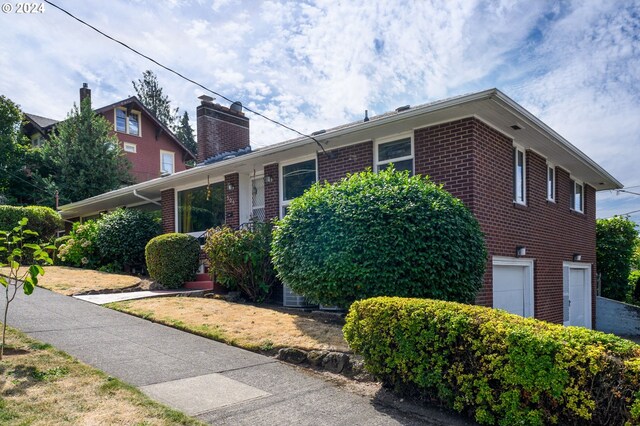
[511, 287]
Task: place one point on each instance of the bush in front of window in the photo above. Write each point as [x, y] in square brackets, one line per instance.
[384, 234]
[173, 259]
[240, 259]
[123, 235]
[497, 367]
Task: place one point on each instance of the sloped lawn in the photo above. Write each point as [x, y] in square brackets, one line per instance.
[251, 327]
[43, 386]
[69, 281]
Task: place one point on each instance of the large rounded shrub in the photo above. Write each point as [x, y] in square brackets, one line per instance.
[123, 235]
[172, 259]
[43, 220]
[379, 234]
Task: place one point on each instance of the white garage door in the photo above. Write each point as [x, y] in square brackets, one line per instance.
[512, 286]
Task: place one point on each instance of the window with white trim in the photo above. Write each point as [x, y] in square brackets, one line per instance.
[519, 176]
[167, 164]
[551, 183]
[130, 147]
[127, 123]
[577, 196]
[296, 178]
[398, 151]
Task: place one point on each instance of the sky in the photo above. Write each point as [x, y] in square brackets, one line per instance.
[318, 64]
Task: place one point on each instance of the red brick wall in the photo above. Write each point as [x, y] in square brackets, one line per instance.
[475, 164]
[168, 207]
[550, 231]
[232, 200]
[220, 130]
[271, 192]
[335, 164]
[145, 163]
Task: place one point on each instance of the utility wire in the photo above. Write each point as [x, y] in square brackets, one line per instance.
[182, 76]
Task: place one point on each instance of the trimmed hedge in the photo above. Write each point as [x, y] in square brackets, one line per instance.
[123, 235]
[497, 367]
[379, 234]
[43, 220]
[173, 259]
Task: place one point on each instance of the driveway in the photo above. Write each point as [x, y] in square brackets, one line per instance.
[216, 383]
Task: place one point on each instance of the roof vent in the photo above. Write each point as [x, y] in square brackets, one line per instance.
[366, 115]
[516, 126]
[403, 108]
[318, 132]
[236, 106]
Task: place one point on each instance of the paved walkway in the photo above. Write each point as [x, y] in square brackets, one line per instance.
[217, 383]
[101, 299]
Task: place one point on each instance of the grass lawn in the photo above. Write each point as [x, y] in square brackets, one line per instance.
[69, 281]
[251, 327]
[42, 386]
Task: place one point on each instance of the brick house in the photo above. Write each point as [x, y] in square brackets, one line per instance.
[531, 190]
[150, 146]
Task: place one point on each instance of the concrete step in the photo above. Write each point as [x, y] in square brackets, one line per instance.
[203, 277]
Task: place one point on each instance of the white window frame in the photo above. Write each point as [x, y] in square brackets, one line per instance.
[173, 161]
[129, 147]
[572, 200]
[551, 191]
[284, 203]
[566, 266]
[516, 150]
[393, 138]
[529, 305]
[126, 122]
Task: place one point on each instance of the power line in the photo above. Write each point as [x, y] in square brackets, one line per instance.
[182, 76]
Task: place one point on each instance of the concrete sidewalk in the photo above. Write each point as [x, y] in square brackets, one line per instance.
[217, 383]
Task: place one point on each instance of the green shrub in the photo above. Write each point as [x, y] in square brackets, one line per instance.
[43, 220]
[240, 259]
[615, 244]
[79, 248]
[634, 287]
[173, 259]
[374, 234]
[498, 367]
[123, 235]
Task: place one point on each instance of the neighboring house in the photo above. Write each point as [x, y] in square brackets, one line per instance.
[150, 146]
[533, 192]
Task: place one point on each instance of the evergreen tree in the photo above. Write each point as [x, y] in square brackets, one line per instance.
[150, 94]
[19, 161]
[184, 133]
[84, 157]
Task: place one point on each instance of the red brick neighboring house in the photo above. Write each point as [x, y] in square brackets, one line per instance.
[531, 190]
[150, 146]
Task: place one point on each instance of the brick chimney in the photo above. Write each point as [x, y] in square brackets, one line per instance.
[220, 129]
[85, 92]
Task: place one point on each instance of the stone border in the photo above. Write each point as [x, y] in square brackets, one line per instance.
[348, 365]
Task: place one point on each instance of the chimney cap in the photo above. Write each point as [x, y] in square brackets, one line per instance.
[206, 99]
[85, 85]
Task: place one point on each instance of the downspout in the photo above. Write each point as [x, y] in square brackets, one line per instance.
[135, 192]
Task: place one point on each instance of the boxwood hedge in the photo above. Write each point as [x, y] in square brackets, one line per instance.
[498, 367]
[172, 259]
[379, 234]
